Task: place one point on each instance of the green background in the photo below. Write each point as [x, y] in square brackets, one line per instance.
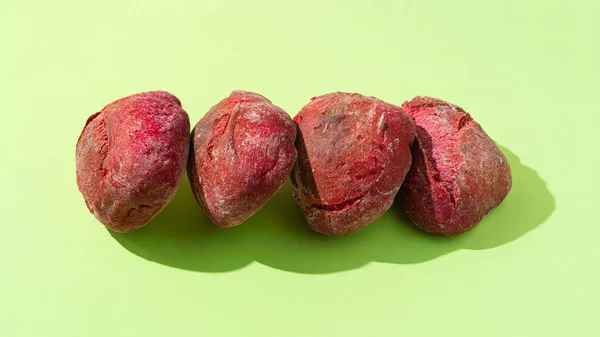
[526, 70]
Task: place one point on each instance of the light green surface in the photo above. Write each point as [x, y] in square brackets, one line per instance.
[527, 71]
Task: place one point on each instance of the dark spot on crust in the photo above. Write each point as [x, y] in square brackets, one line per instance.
[463, 121]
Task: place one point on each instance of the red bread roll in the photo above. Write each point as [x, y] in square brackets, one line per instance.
[353, 154]
[130, 158]
[458, 173]
[242, 153]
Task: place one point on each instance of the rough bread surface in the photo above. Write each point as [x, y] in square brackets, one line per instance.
[242, 153]
[458, 173]
[353, 154]
[130, 158]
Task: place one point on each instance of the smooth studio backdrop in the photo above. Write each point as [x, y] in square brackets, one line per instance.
[527, 71]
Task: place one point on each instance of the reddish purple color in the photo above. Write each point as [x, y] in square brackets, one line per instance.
[353, 154]
[458, 173]
[130, 158]
[242, 153]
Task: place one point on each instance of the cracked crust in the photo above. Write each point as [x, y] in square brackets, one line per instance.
[458, 174]
[353, 154]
